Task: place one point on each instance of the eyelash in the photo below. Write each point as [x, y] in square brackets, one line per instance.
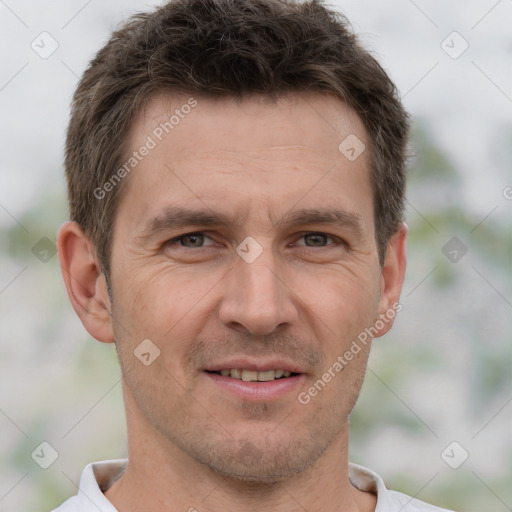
[337, 240]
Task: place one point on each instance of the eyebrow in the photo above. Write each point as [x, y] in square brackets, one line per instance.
[179, 217]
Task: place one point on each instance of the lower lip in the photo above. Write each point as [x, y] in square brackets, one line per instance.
[258, 391]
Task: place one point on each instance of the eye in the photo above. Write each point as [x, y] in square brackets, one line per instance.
[200, 240]
[319, 240]
[190, 240]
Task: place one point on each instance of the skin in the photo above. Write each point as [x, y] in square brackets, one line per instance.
[305, 298]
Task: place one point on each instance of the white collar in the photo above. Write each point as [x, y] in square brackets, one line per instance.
[99, 476]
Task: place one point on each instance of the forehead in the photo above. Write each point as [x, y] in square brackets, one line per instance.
[313, 122]
[250, 154]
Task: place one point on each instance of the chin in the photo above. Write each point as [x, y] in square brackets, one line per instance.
[263, 463]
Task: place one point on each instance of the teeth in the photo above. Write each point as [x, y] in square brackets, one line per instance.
[254, 376]
[266, 376]
[249, 376]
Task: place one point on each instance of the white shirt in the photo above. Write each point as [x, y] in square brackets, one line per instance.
[100, 475]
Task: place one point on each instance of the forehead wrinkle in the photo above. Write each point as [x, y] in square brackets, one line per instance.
[287, 147]
[275, 153]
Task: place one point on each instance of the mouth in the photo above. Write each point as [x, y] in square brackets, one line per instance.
[255, 381]
[254, 375]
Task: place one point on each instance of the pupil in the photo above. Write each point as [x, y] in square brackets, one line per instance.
[317, 239]
[195, 240]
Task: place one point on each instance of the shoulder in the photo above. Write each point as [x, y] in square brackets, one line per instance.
[96, 477]
[405, 503]
[387, 500]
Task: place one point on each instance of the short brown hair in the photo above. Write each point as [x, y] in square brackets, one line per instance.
[221, 48]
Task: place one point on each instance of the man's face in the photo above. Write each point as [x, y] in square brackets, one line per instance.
[293, 296]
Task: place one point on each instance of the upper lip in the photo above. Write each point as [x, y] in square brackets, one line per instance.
[258, 366]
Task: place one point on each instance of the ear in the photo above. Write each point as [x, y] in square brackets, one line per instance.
[84, 280]
[391, 280]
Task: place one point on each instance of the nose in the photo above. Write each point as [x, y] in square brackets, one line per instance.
[258, 299]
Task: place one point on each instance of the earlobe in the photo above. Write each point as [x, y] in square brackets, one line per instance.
[85, 283]
[392, 278]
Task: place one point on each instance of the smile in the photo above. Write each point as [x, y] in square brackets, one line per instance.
[254, 385]
[254, 376]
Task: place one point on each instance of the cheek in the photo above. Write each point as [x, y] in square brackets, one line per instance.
[167, 305]
[341, 300]
[339, 312]
[161, 295]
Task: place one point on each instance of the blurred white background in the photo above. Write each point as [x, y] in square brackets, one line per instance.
[443, 374]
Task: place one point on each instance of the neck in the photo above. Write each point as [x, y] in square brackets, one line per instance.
[161, 476]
